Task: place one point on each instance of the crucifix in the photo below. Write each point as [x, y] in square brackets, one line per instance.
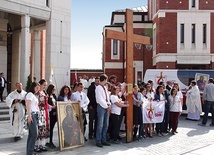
[130, 39]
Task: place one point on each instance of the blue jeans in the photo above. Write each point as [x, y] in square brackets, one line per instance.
[102, 124]
[209, 105]
[33, 133]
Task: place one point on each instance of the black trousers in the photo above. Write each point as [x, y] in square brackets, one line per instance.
[208, 107]
[53, 120]
[166, 120]
[115, 126]
[1, 93]
[92, 122]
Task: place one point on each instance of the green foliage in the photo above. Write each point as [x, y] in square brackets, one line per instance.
[28, 84]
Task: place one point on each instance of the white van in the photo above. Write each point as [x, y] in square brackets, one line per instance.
[182, 76]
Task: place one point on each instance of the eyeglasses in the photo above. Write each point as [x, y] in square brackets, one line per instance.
[81, 97]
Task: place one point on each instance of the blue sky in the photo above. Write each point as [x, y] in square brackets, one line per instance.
[87, 21]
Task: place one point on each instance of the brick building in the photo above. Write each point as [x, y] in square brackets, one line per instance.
[114, 50]
[182, 33]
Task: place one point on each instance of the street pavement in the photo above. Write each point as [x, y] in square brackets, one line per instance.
[191, 139]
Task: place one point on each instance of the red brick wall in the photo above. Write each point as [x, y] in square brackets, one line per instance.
[148, 60]
[206, 6]
[212, 33]
[108, 51]
[166, 65]
[167, 34]
[172, 5]
[117, 72]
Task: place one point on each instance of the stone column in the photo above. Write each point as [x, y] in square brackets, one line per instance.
[25, 49]
[37, 55]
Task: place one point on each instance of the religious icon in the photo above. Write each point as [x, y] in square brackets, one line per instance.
[201, 80]
[70, 127]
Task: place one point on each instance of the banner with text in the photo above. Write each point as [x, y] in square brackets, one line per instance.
[153, 112]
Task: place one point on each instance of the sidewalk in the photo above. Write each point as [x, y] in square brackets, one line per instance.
[190, 140]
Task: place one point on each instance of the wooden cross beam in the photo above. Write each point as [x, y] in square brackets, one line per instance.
[130, 39]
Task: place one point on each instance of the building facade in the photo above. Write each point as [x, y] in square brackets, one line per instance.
[114, 52]
[35, 40]
[182, 33]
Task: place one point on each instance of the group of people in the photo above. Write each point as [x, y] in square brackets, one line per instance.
[106, 104]
[39, 104]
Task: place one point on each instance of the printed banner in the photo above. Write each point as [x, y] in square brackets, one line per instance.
[153, 112]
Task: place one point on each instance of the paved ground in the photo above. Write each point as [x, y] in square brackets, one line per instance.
[190, 140]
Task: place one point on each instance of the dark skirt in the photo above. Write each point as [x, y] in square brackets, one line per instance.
[137, 115]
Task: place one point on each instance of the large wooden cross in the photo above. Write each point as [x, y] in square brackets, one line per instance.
[130, 39]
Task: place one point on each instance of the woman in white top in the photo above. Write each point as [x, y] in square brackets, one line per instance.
[116, 105]
[32, 112]
[179, 93]
[175, 109]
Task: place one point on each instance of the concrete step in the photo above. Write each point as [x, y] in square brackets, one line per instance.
[4, 117]
[4, 111]
[3, 105]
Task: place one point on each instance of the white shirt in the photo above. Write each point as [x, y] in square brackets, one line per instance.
[15, 95]
[65, 98]
[84, 82]
[175, 104]
[82, 98]
[102, 98]
[114, 108]
[150, 95]
[179, 93]
[34, 102]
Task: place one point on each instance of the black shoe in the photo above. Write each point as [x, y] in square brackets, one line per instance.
[116, 142]
[51, 145]
[42, 148]
[85, 139]
[106, 144]
[90, 137]
[99, 145]
[212, 125]
[17, 138]
[201, 124]
[36, 149]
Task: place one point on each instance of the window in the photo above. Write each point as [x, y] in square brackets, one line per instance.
[115, 47]
[193, 33]
[204, 33]
[193, 3]
[47, 3]
[182, 33]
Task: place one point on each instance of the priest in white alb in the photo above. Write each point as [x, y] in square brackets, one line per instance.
[193, 102]
[16, 102]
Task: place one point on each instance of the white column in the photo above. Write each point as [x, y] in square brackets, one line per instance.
[25, 49]
[37, 55]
